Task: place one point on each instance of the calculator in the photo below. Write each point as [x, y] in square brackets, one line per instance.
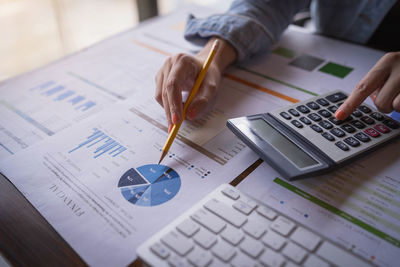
[305, 139]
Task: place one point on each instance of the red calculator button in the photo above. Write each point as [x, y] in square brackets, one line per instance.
[372, 132]
[382, 128]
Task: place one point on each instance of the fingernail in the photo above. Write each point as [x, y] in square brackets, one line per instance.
[373, 98]
[175, 118]
[169, 128]
[192, 113]
[339, 114]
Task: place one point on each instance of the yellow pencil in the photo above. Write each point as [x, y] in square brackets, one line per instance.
[196, 86]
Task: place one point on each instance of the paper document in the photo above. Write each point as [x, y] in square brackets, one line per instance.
[358, 206]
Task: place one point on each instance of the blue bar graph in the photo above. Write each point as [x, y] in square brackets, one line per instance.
[43, 85]
[86, 106]
[54, 90]
[64, 95]
[76, 99]
[102, 143]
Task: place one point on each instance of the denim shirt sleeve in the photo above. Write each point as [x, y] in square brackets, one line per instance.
[249, 26]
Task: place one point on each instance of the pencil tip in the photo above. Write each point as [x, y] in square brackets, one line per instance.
[162, 156]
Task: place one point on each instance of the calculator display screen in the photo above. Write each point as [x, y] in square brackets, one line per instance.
[282, 143]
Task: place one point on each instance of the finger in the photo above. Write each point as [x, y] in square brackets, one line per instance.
[373, 80]
[181, 77]
[390, 90]
[206, 93]
[396, 103]
[160, 80]
[167, 113]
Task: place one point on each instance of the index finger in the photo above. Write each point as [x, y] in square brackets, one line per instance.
[374, 79]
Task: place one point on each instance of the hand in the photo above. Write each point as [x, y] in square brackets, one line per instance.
[382, 84]
[179, 73]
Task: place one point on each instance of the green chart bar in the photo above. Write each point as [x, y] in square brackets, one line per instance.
[283, 51]
[339, 212]
[336, 70]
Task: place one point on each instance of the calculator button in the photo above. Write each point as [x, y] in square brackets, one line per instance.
[358, 124]
[316, 128]
[322, 102]
[336, 97]
[377, 116]
[382, 128]
[328, 136]
[314, 117]
[285, 115]
[325, 124]
[367, 120]
[362, 137]
[391, 124]
[294, 112]
[332, 109]
[372, 132]
[324, 113]
[337, 132]
[305, 120]
[297, 123]
[335, 121]
[303, 109]
[342, 146]
[348, 128]
[356, 113]
[364, 109]
[351, 141]
[313, 105]
[339, 104]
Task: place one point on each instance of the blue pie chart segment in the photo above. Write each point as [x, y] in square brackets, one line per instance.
[149, 185]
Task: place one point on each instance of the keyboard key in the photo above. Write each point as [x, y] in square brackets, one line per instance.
[242, 207]
[305, 238]
[273, 240]
[251, 247]
[336, 97]
[266, 212]
[328, 136]
[312, 105]
[282, 225]
[303, 109]
[226, 212]
[382, 128]
[325, 124]
[316, 128]
[305, 120]
[335, 121]
[255, 228]
[362, 137]
[294, 112]
[177, 242]
[314, 117]
[242, 260]
[358, 124]
[364, 109]
[377, 116]
[177, 261]
[188, 227]
[285, 115]
[337, 132]
[324, 113]
[333, 109]
[338, 256]
[205, 238]
[314, 261]
[209, 221]
[372, 132]
[223, 250]
[160, 250]
[391, 123]
[231, 193]
[294, 252]
[351, 141]
[322, 102]
[297, 123]
[271, 259]
[199, 257]
[342, 146]
[357, 113]
[232, 235]
[367, 120]
[348, 128]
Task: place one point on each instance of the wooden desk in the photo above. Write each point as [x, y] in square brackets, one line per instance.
[27, 239]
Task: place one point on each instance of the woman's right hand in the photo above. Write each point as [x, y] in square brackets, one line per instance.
[179, 74]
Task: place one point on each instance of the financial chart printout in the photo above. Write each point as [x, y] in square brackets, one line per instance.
[357, 206]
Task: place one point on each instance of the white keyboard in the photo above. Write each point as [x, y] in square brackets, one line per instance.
[228, 228]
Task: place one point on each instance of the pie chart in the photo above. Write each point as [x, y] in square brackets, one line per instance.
[149, 185]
